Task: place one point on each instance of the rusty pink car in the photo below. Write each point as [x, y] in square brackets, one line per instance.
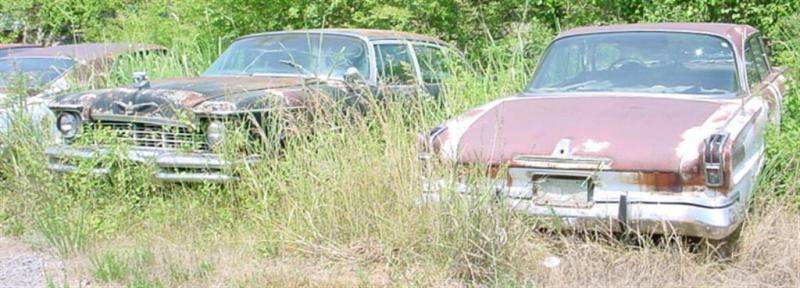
[657, 128]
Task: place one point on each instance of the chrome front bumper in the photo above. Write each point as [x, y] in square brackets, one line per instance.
[697, 214]
[172, 166]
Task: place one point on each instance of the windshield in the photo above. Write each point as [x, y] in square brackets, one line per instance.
[648, 62]
[37, 71]
[311, 55]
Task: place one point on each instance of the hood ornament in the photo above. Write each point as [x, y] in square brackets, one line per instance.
[140, 80]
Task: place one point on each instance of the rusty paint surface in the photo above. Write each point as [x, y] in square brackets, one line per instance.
[175, 98]
[171, 99]
[637, 133]
[214, 87]
[659, 181]
[657, 140]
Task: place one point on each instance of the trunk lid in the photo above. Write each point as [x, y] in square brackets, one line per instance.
[635, 133]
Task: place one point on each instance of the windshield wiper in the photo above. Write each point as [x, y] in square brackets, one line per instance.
[576, 86]
[300, 68]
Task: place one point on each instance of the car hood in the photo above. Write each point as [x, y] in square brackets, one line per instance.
[201, 95]
[637, 133]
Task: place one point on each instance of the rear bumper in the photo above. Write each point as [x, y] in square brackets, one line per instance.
[171, 166]
[650, 213]
[643, 216]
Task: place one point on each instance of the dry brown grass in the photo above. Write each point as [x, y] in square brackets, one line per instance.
[768, 255]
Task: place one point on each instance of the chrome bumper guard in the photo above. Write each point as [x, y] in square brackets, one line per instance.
[643, 212]
[172, 166]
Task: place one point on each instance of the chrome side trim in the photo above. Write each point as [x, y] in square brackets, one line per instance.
[550, 162]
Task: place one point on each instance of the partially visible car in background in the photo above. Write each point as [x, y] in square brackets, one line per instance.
[50, 70]
[35, 75]
[6, 49]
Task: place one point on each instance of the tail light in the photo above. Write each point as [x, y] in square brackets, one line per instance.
[427, 148]
[427, 141]
[714, 159]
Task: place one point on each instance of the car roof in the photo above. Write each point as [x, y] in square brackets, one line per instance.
[368, 34]
[17, 45]
[735, 33]
[87, 52]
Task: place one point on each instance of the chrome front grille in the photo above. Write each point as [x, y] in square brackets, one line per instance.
[148, 135]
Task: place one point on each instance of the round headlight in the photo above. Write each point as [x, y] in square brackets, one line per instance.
[68, 124]
[215, 133]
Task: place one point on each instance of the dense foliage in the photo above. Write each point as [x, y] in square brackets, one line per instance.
[473, 25]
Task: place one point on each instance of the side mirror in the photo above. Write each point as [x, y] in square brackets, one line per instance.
[351, 75]
[60, 85]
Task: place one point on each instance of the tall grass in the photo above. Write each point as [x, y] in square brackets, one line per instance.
[345, 194]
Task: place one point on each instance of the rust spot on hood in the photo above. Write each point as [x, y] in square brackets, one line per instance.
[188, 98]
[172, 98]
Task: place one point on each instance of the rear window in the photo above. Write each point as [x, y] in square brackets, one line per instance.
[646, 62]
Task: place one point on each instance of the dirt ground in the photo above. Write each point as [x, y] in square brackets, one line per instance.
[768, 255]
[20, 266]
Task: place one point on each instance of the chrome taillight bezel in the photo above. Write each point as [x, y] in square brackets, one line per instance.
[714, 159]
[427, 140]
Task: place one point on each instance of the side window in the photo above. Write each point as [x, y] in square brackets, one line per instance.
[395, 66]
[760, 57]
[432, 63]
[751, 64]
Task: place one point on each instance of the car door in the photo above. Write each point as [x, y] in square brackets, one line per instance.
[433, 67]
[772, 82]
[759, 109]
[396, 71]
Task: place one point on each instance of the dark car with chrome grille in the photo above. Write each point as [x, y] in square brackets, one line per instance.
[177, 124]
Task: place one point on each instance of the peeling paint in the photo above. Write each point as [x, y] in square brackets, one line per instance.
[592, 146]
[215, 106]
[457, 127]
[642, 132]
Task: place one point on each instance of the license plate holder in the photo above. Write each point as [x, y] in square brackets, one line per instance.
[562, 190]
